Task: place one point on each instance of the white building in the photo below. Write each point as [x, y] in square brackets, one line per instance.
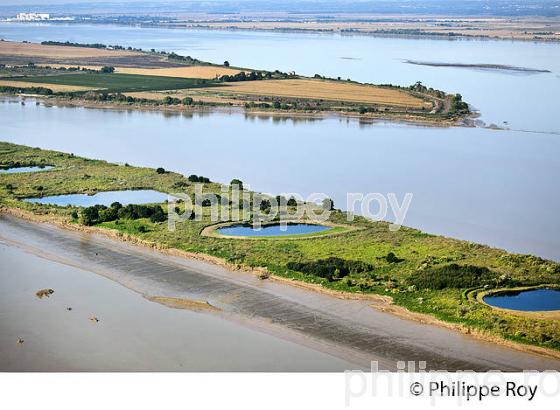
[32, 16]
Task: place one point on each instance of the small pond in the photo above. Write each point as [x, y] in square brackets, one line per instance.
[528, 300]
[24, 169]
[103, 198]
[272, 230]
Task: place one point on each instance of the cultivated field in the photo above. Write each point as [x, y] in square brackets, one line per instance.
[9, 48]
[197, 94]
[55, 87]
[206, 72]
[114, 82]
[326, 90]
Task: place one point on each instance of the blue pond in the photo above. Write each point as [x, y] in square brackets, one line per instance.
[272, 230]
[24, 169]
[103, 198]
[529, 300]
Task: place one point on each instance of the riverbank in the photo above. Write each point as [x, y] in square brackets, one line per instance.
[276, 308]
[397, 264]
[469, 121]
[132, 333]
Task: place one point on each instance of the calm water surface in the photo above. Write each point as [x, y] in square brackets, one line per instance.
[146, 196]
[133, 334]
[272, 230]
[23, 169]
[530, 300]
[492, 187]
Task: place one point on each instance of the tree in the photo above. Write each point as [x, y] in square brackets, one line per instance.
[226, 63]
[328, 204]
[107, 69]
[160, 170]
[90, 215]
[187, 101]
[237, 182]
[158, 215]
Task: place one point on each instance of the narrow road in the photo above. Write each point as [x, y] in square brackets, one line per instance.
[349, 329]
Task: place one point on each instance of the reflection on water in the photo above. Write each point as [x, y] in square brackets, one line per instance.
[493, 187]
[525, 102]
[146, 196]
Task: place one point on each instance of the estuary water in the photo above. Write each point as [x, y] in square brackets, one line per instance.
[488, 186]
[133, 334]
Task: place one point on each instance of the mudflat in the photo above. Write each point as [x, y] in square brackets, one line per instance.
[349, 329]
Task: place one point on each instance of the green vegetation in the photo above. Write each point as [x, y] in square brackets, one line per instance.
[26, 90]
[424, 273]
[331, 268]
[99, 213]
[453, 276]
[114, 82]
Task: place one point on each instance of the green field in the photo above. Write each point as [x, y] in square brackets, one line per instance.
[117, 83]
[424, 273]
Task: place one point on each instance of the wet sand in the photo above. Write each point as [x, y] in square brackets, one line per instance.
[348, 329]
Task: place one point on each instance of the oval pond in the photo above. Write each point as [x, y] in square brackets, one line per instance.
[272, 230]
[529, 300]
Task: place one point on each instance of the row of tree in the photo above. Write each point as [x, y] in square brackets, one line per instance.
[100, 213]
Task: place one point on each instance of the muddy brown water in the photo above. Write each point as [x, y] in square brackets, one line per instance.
[283, 327]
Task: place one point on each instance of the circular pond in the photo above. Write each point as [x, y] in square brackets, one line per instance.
[535, 300]
[272, 230]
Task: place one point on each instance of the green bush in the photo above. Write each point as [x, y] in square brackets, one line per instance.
[331, 268]
[453, 276]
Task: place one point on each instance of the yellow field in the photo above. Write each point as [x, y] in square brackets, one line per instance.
[11, 48]
[206, 72]
[196, 95]
[326, 90]
[55, 87]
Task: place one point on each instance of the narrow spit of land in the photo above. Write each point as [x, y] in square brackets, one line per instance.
[348, 328]
[85, 74]
[433, 277]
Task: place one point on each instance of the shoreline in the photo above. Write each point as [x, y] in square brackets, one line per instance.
[467, 122]
[380, 303]
[378, 33]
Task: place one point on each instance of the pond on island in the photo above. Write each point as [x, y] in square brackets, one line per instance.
[528, 300]
[103, 198]
[272, 230]
[14, 170]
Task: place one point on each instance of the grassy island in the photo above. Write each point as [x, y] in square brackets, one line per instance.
[424, 273]
[112, 75]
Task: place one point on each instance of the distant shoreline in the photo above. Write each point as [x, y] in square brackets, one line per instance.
[497, 67]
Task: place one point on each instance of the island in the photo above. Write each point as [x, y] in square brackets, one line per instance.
[112, 75]
[407, 272]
